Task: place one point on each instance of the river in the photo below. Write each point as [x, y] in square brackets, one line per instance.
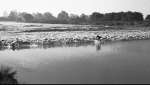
[111, 63]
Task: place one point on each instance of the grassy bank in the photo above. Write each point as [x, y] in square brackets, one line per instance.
[70, 37]
[19, 34]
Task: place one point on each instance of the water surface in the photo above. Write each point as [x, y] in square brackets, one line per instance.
[118, 62]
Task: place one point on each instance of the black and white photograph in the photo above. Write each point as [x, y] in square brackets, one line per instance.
[75, 42]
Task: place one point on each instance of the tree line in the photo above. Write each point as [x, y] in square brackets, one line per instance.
[114, 18]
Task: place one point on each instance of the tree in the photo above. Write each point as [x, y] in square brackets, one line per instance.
[132, 16]
[138, 16]
[147, 18]
[147, 21]
[63, 17]
[109, 16]
[13, 16]
[117, 16]
[48, 17]
[74, 19]
[96, 17]
[84, 18]
[26, 17]
[38, 17]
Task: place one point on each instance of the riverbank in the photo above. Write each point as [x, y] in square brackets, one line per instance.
[30, 38]
[19, 34]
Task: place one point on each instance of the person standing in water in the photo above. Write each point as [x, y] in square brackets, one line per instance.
[98, 42]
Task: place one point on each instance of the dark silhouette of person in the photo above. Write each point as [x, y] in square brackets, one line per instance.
[99, 37]
[98, 42]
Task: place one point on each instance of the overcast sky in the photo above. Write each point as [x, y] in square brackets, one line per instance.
[75, 6]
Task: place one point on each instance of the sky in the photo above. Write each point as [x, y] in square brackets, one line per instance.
[75, 6]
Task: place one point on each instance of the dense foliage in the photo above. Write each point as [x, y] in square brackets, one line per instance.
[7, 76]
[114, 18]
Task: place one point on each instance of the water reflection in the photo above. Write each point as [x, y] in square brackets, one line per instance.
[52, 45]
[98, 45]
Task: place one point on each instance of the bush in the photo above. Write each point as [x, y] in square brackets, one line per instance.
[7, 75]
